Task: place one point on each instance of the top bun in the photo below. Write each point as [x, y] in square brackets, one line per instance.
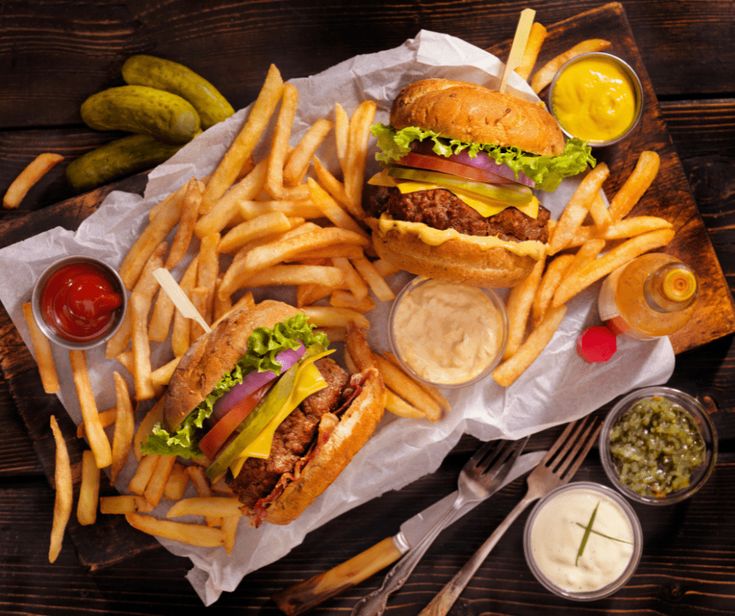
[469, 112]
[215, 354]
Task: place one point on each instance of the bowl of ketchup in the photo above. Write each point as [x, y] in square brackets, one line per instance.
[79, 302]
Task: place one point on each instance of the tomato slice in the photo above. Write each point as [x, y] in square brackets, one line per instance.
[443, 165]
[213, 440]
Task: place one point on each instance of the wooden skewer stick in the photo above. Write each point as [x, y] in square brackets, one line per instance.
[183, 304]
[520, 40]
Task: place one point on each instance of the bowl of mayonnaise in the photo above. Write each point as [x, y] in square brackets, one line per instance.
[447, 334]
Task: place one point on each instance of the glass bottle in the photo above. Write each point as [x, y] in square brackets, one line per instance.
[650, 297]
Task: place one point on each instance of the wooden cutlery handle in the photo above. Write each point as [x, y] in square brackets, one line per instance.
[301, 597]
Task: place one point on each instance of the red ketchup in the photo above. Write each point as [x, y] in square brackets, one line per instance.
[79, 302]
[597, 344]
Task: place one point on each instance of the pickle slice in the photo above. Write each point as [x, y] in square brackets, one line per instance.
[510, 194]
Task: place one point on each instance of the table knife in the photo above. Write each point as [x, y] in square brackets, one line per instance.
[305, 595]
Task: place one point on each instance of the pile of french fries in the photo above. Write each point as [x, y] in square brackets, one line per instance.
[257, 225]
[576, 261]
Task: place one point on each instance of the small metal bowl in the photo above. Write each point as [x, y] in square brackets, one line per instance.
[614, 585]
[50, 331]
[702, 421]
[634, 80]
[418, 282]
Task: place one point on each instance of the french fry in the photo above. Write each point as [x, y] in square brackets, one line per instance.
[244, 144]
[331, 184]
[637, 183]
[398, 381]
[518, 307]
[609, 262]
[125, 359]
[352, 279]
[398, 406]
[623, 229]
[161, 317]
[229, 531]
[151, 418]
[200, 300]
[89, 490]
[275, 252]
[181, 332]
[432, 391]
[143, 474]
[299, 159]
[157, 483]
[375, 281]
[139, 307]
[202, 487]
[279, 144]
[536, 39]
[551, 279]
[587, 252]
[191, 534]
[267, 224]
[125, 503]
[107, 418]
[29, 177]
[92, 426]
[341, 133]
[208, 271]
[297, 275]
[161, 376]
[64, 492]
[600, 214]
[192, 201]
[222, 305]
[148, 242]
[174, 197]
[227, 206]
[385, 268]
[302, 209]
[357, 347]
[146, 285]
[357, 146]
[246, 302]
[576, 210]
[212, 506]
[507, 372]
[42, 350]
[307, 294]
[122, 440]
[545, 75]
[337, 216]
[176, 484]
[349, 251]
[345, 299]
[220, 487]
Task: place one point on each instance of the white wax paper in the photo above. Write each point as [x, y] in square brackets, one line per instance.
[557, 388]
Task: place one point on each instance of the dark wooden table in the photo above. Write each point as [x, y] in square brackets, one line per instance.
[53, 54]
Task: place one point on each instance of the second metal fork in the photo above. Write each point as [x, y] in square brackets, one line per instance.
[557, 468]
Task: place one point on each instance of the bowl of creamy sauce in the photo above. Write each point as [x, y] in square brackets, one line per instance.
[596, 97]
[583, 541]
[447, 334]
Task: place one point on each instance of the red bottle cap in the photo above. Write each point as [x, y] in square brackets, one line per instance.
[597, 344]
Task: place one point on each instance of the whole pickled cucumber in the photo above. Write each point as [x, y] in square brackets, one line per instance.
[139, 109]
[116, 159]
[176, 78]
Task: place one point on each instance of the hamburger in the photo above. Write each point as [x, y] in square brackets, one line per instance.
[456, 198]
[261, 403]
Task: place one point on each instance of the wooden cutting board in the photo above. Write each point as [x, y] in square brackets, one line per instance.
[111, 540]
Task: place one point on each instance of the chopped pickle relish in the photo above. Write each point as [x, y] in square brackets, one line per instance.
[656, 446]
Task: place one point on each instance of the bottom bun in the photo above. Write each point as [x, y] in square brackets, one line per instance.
[455, 260]
[333, 451]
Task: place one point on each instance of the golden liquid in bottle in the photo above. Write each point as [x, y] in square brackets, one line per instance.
[650, 297]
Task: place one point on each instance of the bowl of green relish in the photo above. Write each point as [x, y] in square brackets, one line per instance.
[658, 446]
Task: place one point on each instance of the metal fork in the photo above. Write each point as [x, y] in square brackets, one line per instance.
[483, 473]
[557, 468]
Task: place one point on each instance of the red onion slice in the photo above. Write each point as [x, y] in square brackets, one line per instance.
[255, 380]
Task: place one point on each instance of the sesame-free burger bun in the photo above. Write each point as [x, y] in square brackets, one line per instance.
[470, 112]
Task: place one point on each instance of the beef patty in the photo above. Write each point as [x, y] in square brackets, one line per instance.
[441, 209]
[292, 438]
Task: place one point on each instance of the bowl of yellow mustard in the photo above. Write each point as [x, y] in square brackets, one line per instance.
[596, 97]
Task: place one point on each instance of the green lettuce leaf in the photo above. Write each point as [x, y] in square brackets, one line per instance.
[547, 172]
[263, 346]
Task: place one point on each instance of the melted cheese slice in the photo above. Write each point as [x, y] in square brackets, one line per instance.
[308, 381]
[484, 207]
